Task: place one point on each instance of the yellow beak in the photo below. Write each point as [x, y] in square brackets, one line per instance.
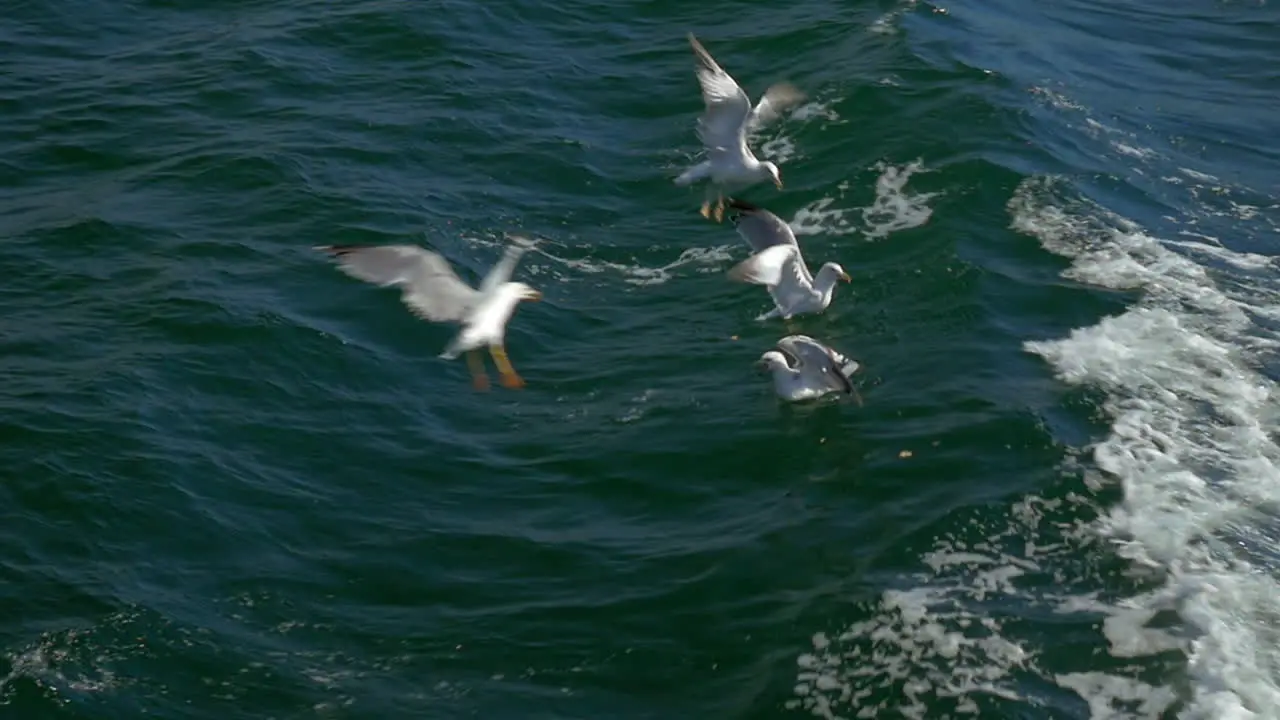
[845, 277]
[778, 182]
[535, 296]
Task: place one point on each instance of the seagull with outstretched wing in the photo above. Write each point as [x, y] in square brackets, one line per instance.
[434, 292]
[777, 264]
[723, 127]
[805, 369]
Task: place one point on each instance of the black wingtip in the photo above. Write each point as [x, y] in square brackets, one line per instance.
[743, 208]
[337, 250]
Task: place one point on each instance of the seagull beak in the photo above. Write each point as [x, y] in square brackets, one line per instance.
[778, 181]
[845, 277]
[535, 296]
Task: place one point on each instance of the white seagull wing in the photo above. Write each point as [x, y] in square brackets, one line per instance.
[429, 286]
[776, 100]
[500, 273]
[722, 127]
[759, 227]
[770, 267]
[820, 362]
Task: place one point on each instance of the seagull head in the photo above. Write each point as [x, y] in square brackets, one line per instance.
[773, 171]
[771, 360]
[835, 271]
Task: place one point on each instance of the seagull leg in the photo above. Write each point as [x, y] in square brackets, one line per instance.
[720, 207]
[706, 203]
[508, 376]
[475, 363]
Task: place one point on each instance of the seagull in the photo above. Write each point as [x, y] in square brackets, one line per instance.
[723, 129]
[805, 369]
[778, 265]
[433, 292]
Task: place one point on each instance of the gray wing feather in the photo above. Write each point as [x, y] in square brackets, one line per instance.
[759, 227]
[501, 271]
[768, 267]
[775, 100]
[817, 358]
[429, 286]
[723, 125]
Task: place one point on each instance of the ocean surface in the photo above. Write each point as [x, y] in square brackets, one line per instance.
[237, 483]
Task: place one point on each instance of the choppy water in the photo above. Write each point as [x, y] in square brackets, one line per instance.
[240, 484]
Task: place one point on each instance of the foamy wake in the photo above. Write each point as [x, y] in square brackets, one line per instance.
[894, 208]
[946, 645]
[707, 259]
[73, 663]
[1192, 439]
[700, 259]
[781, 148]
[887, 24]
[1192, 444]
[1120, 141]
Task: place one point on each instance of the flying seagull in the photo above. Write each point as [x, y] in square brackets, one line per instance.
[804, 369]
[433, 292]
[777, 264]
[723, 129]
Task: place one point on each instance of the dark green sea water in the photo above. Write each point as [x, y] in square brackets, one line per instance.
[238, 484]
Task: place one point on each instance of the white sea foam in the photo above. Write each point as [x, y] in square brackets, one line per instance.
[1192, 442]
[819, 109]
[1122, 141]
[1111, 697]
[1056, 99]
[76, 661]
[707, 259]
[1197, 175]
[894, 208]
[820, 217]
[887, 24]
[780, 150]
[935, 648]
[702, 259]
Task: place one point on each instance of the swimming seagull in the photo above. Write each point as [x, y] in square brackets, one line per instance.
[804, 369]
[778, 265]
[723, 129]
[433, 292]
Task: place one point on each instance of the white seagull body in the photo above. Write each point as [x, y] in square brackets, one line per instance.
[434, 292]
[777, 264]
[805, 369]
[723, 129]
